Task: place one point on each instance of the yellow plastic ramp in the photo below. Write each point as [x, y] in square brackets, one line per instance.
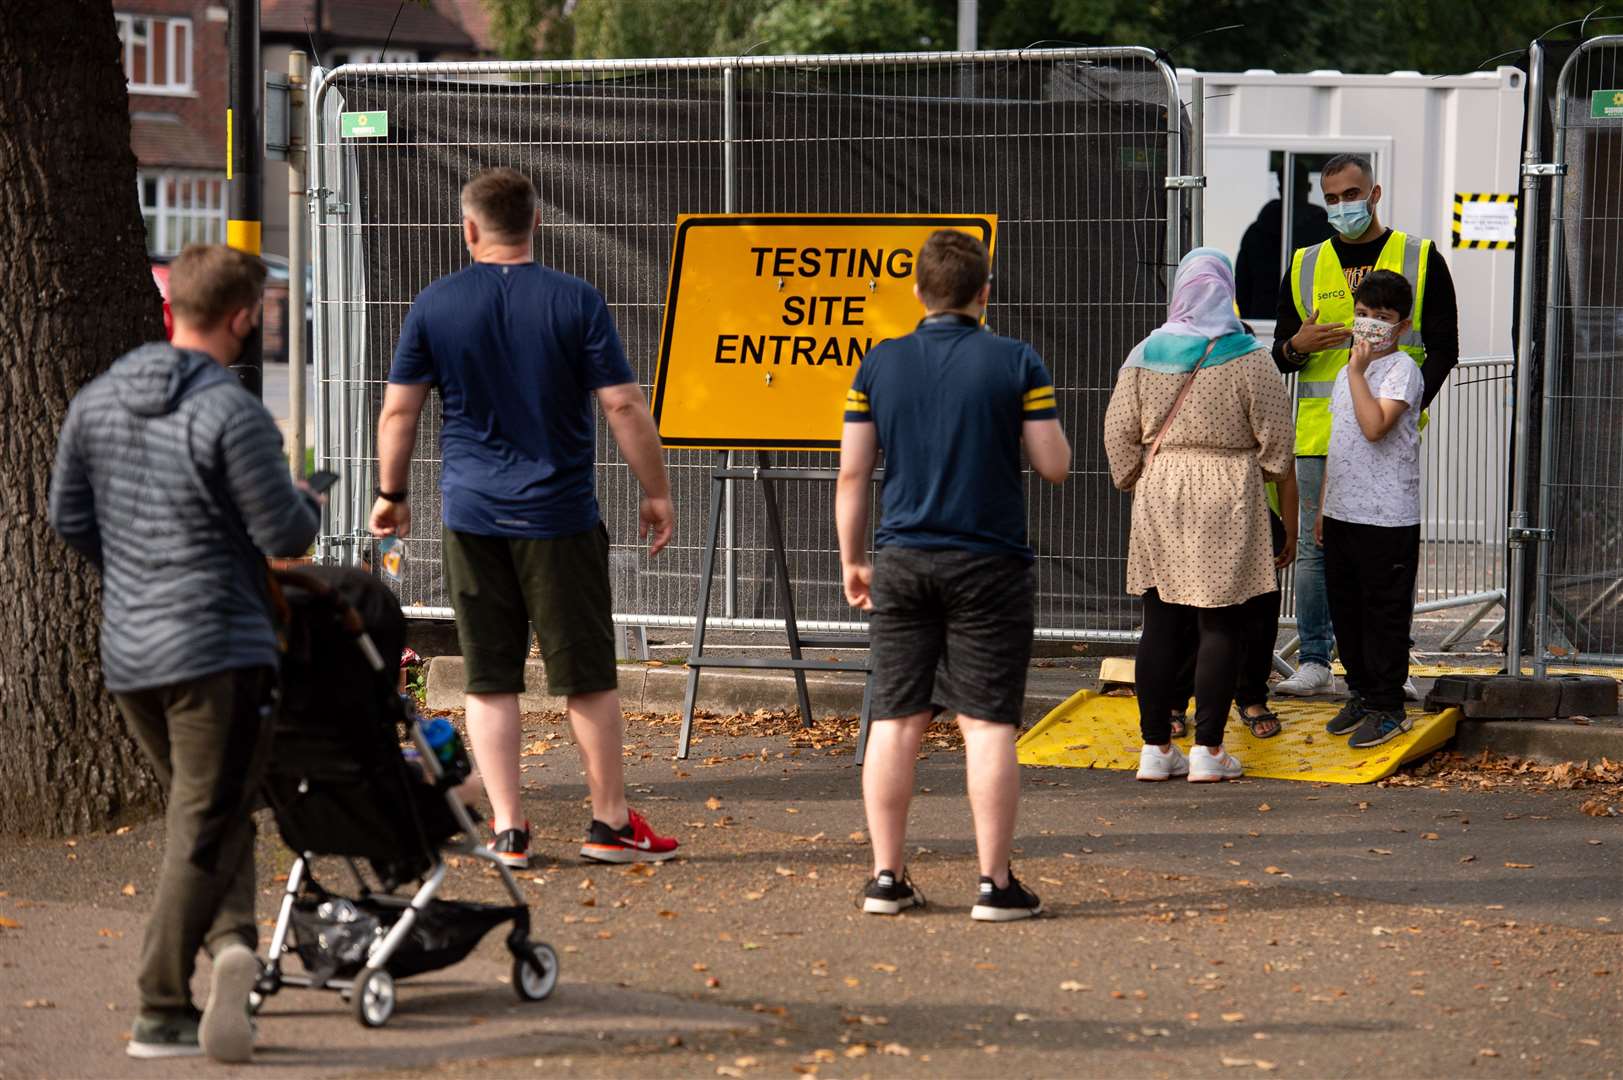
[1433, 671]
[1091, 731]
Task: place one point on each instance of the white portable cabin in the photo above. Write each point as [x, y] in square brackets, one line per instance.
[1430, 138]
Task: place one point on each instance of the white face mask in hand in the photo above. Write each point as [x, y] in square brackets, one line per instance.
[1380, 335]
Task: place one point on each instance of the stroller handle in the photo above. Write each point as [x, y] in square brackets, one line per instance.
[348, 618]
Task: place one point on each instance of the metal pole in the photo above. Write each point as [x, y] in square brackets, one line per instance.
[298, 72]
[1174, 243]
[245, 162]
[1197, 155]
[1553, 284]
[729, 204]
[968, 25]
[1515, 593]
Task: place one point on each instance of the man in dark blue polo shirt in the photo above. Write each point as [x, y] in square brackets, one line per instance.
[952, 590]
[518, 352]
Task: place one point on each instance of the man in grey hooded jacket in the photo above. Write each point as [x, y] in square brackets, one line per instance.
[170, 478]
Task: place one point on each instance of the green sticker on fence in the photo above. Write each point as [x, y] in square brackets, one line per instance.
[1606, 105]
[363, 125]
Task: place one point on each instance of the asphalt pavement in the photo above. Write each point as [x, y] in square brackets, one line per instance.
[1260, 926]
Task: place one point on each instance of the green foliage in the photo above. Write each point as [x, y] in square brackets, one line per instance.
[856, 26]
[1433, 36]
[617, 29]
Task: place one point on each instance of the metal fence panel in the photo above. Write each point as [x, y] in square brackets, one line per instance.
[1579, 599]
[1071, 148]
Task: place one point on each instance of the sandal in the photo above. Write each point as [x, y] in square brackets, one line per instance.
[1180, 725]
[1263, 725]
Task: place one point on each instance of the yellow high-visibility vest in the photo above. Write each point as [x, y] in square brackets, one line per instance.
[1318, 281]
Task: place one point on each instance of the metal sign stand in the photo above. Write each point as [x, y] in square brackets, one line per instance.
[768, 478]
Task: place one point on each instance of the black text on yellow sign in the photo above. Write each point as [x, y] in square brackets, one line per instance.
[768, 316]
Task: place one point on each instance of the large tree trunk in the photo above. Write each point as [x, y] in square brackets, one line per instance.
[75, 292]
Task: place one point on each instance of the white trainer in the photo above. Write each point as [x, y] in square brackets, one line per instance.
[1411, 692]
[1156, 765]
[1208, 767]
[1310, 680]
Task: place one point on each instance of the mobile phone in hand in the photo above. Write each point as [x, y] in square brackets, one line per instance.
[321, 481]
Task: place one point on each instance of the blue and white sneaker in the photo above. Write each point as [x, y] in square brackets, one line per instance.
[1378, 726]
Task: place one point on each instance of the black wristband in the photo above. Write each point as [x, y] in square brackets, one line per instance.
[390, 496]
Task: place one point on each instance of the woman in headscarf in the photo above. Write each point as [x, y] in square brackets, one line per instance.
[1198, 423]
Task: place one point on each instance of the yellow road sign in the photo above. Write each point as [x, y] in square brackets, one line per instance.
[768, 316]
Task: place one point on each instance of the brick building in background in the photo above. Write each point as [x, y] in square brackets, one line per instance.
[177, 66]
[175, 61]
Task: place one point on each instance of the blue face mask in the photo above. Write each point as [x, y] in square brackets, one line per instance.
[1350, 219]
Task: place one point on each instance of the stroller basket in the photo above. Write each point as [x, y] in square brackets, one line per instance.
[334, 937]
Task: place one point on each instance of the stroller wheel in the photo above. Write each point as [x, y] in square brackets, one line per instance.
[535, 972]
[374, 999]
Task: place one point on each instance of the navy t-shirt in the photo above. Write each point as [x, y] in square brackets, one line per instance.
[515, 351]
[949, 401]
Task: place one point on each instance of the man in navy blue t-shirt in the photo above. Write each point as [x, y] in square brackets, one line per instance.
[517, 352]
[951, 589]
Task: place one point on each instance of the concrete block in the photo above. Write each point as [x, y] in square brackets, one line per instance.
[1483, 697]
[1547, 741]
[1587, 695]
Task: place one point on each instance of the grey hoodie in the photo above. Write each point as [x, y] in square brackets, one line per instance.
[170, 477]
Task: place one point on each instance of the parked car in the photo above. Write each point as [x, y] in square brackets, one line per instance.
[160, 275]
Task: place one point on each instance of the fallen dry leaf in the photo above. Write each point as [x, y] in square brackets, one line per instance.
[784, 871]
[713, 983]
[128, 890]
[1467, 858]
[9, 923]
[859, 1050]
[1073, 986]
[1264, 808]
[712, 803]
[1430, 836]
[728, 1070]
[1487, 1052]
[888, 969]
[852, 981]
[39, 1003]
[1233, 1017]
[1272, 870]
[895, 1050]
[1519, 865]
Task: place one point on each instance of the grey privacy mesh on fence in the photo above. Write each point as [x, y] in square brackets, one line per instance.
[1071, 149]
[1580, 497]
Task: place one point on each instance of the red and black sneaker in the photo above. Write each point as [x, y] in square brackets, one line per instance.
[634, 842]
[512, 846]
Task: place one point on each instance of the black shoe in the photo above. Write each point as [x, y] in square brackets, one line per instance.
[1378, 726]
[1348, 718]
[164, 1037]
[888, 895]
[1013, 901]
[512, 846]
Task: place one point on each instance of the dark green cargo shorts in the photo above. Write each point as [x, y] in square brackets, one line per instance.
[502, 587]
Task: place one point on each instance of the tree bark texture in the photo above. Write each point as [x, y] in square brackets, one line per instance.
[76, 291]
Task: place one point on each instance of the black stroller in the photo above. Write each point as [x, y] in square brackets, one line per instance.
[340, 785]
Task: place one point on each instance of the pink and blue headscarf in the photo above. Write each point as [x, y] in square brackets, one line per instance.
[1202, 309]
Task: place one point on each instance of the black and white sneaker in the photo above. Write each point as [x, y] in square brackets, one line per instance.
[888, 895]
[1013, 901]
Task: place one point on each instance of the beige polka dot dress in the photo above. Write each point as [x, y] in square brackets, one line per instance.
[1200, 514]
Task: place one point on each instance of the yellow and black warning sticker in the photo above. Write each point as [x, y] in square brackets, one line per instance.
[1484, 221]
[768, 316]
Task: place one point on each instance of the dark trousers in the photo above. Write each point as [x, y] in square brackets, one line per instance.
[1261, 617]
[1369, 575]
[207, 740]
[1215, 637]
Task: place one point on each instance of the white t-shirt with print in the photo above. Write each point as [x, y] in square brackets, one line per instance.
[1376, 483]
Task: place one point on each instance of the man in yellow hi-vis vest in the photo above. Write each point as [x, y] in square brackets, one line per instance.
[1311, 339]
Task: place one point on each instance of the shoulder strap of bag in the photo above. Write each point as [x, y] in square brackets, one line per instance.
[1177, 403]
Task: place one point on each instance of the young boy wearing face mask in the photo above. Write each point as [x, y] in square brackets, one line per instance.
[1369, 516]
